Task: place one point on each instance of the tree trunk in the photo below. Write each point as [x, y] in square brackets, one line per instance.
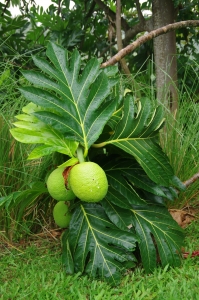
[165, 54]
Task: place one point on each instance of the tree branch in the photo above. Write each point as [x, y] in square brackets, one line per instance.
[59, 8]
[143, 25]
[90, 12]
[130, 33]
[110, 13]
[118, 25]
[5, 7]
[139, 27]
[119, 36]
[191, 180]
[140, 15]
[147, 37]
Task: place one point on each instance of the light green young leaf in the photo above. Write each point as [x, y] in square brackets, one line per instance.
[29, 129]
[44, 150]
[70, 162]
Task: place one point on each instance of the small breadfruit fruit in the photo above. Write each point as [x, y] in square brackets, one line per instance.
[88, 181]
[61, 214]
[57, 184]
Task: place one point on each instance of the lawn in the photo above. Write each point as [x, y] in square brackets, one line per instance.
[33, 270]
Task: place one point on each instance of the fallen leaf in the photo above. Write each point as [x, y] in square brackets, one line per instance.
[183, 217]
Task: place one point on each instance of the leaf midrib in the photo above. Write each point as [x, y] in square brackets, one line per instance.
[97, 245]
[153, 225]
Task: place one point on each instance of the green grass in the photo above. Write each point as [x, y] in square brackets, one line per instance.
[35, 272]
[16, 172]
[180, 141]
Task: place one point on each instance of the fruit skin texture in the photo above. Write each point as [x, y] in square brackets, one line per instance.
[57, 188]
[61, 214]
[88, 182]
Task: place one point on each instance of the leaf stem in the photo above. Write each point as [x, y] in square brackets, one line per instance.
[80, 154]
[100, 145]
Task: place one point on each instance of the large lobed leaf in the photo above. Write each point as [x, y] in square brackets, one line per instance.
[136, 133]
[72, 98]
[101, 237]
[160, 236]
[94, 245]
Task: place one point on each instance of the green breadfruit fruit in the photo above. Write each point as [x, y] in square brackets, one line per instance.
[61, 214]
[88, 181]
[58, 186]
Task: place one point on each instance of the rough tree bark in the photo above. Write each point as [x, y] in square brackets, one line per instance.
[163, 13]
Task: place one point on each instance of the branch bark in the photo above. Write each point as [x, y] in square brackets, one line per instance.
[191, 180]
[147, 37]
[139, 27]
[119, 37]
[130, 33]
[143, 25]
[110, 13]
[140, 15]
[6, 6]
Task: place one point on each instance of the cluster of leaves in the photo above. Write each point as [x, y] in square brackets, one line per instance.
[69, 24]
[72, 105]
[85, 24]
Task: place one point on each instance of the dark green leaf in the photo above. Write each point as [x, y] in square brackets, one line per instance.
[160, 236]
[98, 247]
[136, 134]
[135, 175]
[122, 190]
[74, 102]
[119, 216]
[67, 259]
[156, 228]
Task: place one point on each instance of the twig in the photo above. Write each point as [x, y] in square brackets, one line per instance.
[140, 15]
[147, 25]
[5, 7]
[188, 182]
[119, 37]
[110, 13]
[147, 37]
[59, 8]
